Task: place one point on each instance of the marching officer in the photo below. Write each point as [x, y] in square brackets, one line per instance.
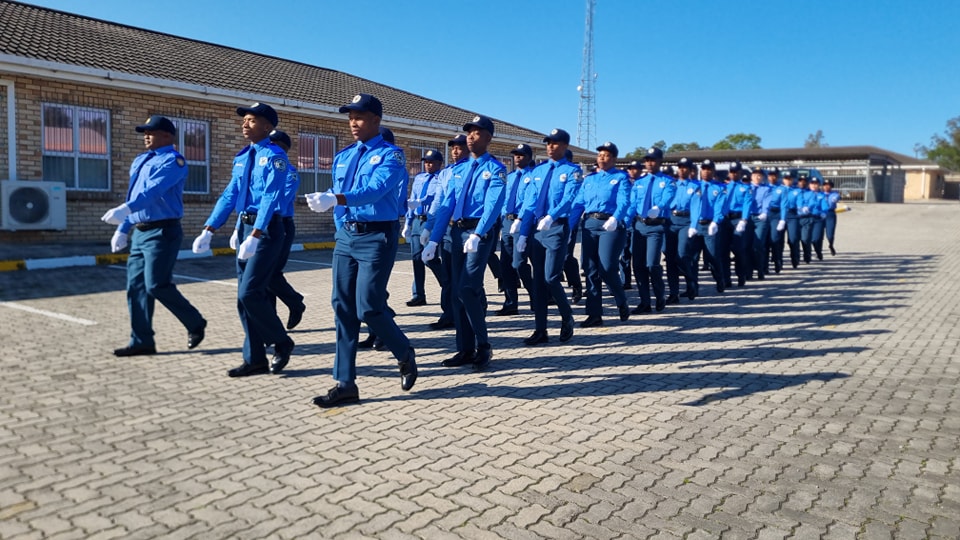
[776, 217]
[603, 200]
[762, 197]
[791, 207]
[257, 191]
[650, 201]
[712, 212]
[546, 208]
[513, 264]
[153, 210]
[472, 207]
[830, 221]
[368, 176]
[814, 206]
[571, 266]
[424, 190]
[634, 171]
[736, 234]
[682, 239]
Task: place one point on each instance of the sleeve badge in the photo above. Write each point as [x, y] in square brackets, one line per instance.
[398, 155]
[180, 161]
[279, 164]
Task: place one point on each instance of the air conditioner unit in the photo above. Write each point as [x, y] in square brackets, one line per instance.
[33, 205]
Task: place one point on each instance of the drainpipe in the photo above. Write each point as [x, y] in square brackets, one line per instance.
[11, 129]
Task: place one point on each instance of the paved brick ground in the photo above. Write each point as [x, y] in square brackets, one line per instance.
[820, 403]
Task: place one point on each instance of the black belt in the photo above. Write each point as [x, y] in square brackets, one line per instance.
[599, 215]
[558, 221]
[159, 224]
[466, 223]
[248, 218]
[422, 218]
[705, 221]
[791, 212]
[650, 221]
[511, 216]
[681, 213]
[774, 210]
[734, 215]
[369, 226]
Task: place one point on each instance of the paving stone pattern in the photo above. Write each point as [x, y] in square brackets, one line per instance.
[819, 403]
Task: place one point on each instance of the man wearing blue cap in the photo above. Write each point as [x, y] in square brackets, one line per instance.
[710, 215]
[257, 191]
[367, 177]
[546, 212]
[422, 193]
[513, 262]
[735, 230]
[472, 206]
[458, 154]
[682, 238]
[153, 210]
[650, 201]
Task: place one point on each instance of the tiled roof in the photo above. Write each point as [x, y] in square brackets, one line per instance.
[45, 34]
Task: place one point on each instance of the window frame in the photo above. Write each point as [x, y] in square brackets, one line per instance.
[315, 171]
[73, 184]
[191, 164]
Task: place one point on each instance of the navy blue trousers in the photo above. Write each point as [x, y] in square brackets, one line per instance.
[469, 310]
[548, 250]
[647, 245]
[258, 315]
[600, 251]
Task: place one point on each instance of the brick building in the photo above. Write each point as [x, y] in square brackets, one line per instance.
[73, 88]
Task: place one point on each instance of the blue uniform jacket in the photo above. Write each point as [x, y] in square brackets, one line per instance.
[687, 197]
[791, 199]
[604, 191]
[740, 199]
[778, 197]
[814, 202]
[832, 199]
[265, 195]
[290, 192]
[516, 188]
[377, 183]
[157, 191]
[482, 195]
[762, 198]
[564, 184]
[661, 190]
[713, 202]
[443, 185]
[425, 188]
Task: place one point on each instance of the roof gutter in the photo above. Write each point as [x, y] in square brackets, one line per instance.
[153, 85]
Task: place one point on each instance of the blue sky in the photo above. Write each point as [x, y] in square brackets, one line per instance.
[866, 72]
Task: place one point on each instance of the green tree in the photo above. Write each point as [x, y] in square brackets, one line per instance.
[738, 141]
[945, 150]
[684, 147]
[816, 140]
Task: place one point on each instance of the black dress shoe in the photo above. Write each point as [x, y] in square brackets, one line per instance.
[641, 309]
[591, 321]
[194, 338]
[741, 281]
[459, 359]
[136, 350]
[367, 343]
[673, 299]
[624, 311]
[441, 325]
[408, 370]
[833, 251]
[661, 303]
[577, 296]
[482, 360]
[566, 330]
[690, 293]
[538, 337]
[378, 344]
[295, 316]
[337, 396]
[245, 370]
[281, 357]
[505, 311]
[414, 302]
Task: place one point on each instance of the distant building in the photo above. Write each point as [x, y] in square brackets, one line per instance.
[72, 88]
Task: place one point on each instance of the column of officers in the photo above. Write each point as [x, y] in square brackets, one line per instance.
[634, 226]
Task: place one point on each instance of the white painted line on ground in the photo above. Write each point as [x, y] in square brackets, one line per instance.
[328, 265]
[50, 314]
[190, 278]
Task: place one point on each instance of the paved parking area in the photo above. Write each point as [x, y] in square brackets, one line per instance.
[820, 403]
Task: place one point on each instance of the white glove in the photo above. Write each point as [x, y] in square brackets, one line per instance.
[429, 252]
[234, 239]
[805, 210]
[762, 217]
[522, 244]
[653, 213]
[741, 226]
[115, 216]
[515, 228]
[712, 229]
[202, 242]
[412, 204]
[545, 223]
[425, 237]
[781, 225]
[321, 202]
[405, 232]
[472, 243]
[610, 224]
[118, 242]
[248, 248]
[691, 232]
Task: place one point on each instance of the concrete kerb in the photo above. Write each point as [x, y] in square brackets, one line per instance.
[121, 258]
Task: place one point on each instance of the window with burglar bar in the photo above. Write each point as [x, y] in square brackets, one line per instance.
[193, 142]
[315, 162]
[76, 146]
